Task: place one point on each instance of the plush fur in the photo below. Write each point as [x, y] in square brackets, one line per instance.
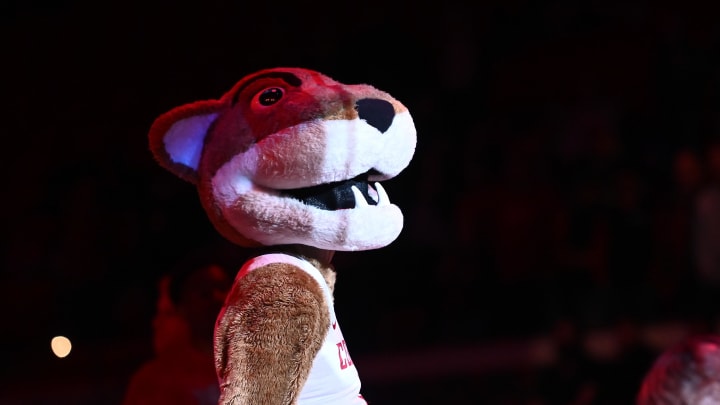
[264, 348]
[292, 159]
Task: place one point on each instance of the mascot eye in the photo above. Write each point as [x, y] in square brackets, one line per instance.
[270, 96]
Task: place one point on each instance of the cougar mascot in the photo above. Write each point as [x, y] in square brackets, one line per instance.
[290, 162]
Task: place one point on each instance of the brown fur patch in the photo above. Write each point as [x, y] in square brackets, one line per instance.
[268, 334]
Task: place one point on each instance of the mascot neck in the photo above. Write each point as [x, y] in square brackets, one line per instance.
[320, 258]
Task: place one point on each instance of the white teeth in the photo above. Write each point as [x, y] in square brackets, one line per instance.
[360, 201]
[383, 198]
[359, 198]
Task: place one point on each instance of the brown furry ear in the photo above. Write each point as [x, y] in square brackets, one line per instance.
[177, 137]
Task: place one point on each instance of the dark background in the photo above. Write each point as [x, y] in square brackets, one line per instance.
[547, 253]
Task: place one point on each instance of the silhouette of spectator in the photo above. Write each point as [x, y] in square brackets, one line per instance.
[687, 373]
[182, 371]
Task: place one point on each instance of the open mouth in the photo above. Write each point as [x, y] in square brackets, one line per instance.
[346, 194]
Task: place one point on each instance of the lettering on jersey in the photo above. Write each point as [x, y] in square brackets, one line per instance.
[343, 355]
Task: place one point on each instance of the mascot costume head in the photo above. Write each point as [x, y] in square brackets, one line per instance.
[289, 160]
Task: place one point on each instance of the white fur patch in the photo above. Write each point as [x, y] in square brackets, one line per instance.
[330, 151]
[271, 220]
[399, 143]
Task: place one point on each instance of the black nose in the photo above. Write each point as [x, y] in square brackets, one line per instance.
[378, 113]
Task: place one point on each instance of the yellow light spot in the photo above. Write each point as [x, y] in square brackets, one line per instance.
[61, 346]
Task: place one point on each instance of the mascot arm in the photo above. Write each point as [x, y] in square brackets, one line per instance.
[273, 324]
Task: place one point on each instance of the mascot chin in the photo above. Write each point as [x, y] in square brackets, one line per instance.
[289, 161]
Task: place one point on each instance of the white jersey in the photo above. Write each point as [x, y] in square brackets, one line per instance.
[333, 378]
